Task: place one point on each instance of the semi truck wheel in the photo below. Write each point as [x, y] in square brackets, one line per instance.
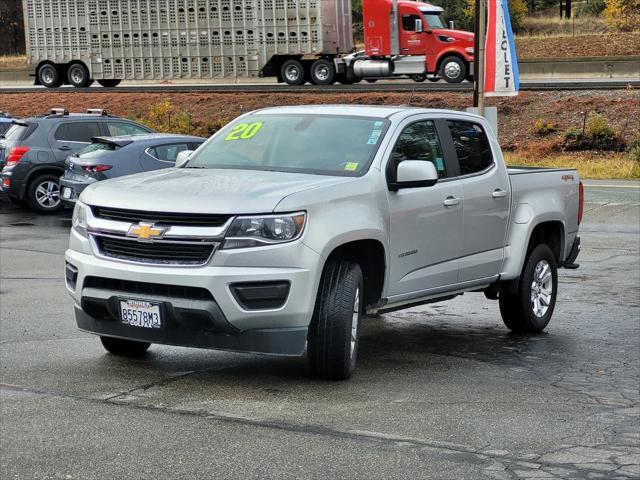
[419, 78]
[109, 83]
[124, 348]
[49, 76]
[292, 72]
[78, 75]
[322, 72]
[530, 308]
[334, 332]
[453, 69]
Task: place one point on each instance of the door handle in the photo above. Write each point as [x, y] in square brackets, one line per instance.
[498, 193]
[65, 147]
[451, 201]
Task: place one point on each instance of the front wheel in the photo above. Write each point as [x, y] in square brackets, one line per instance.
[529, 310]
[109, 82]
[334, 332]
[124, 348]
[453, 69]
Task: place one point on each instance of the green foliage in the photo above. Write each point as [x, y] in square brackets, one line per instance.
[597, 134]
[622, 15]
[572, 135]
[167, 118]
[590, 8]
[599, 129]
[542, 127]
[517, 12]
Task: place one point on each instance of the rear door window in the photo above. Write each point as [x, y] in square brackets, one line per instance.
[117, 129]
[472, 146]
[77, 131]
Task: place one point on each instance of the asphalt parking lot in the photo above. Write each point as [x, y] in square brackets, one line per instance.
[441, 391]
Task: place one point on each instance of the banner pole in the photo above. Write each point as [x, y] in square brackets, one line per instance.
[476, 52]
[480, 58]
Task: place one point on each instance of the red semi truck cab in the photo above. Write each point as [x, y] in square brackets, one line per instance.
[410, 38]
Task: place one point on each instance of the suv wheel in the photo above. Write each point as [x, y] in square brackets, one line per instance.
[334, 332]
[78, 75]
[530, 308]
[43, 194]
[124, 348]
[49, 76]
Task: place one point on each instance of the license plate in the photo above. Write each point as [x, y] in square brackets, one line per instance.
[138, 313]
[67, 193]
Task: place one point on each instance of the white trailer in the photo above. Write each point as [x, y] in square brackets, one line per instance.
[79, 41]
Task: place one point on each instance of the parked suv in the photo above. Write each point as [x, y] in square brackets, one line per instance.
[33, 151]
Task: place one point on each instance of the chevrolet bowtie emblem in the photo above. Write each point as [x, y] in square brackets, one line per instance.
[146, 231]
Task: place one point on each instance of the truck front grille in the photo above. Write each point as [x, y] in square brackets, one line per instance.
[159, 252]
[160, 218]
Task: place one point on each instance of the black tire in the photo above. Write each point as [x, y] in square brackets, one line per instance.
[330, 351]
[469, 78]
[371, 80]
[453, 69]
[322, 72]
[419, 78]
[433, 79]
[517, 309]
[109, 82]
[78, 75]
[124, 348]
[292, 72]
[49, 76]
[46, 199]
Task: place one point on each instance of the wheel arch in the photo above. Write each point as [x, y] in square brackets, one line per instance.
[370, 255]
[450, 53]
[36, 172]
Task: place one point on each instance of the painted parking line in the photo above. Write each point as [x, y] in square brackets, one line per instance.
[610, 186]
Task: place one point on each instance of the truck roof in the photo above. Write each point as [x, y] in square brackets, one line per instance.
[381, 111]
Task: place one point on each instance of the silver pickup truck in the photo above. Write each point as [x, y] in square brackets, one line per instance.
[282, 231]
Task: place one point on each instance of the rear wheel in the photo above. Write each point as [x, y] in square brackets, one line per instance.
[530, 308]
[322, 72]
[78, 75]
[49, 76]
[453, 69]
[419, 78]
[292, 72]
[109, 82]
[43, 194]
[124, 348]
[334, 332]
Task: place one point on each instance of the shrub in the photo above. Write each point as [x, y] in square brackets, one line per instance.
[598, 129]
[597, 134]
[167, 118]
[572, 135]
[590, 8]
[622, 15]
[542, 127]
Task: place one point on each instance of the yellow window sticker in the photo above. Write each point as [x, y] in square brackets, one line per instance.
[244, 131]
[351, 166]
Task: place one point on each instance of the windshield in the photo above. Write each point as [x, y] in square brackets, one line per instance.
[434, 20]
[95, 149]
[15, 132]
[318, 144]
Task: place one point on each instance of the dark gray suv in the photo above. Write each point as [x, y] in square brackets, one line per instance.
[33, 151]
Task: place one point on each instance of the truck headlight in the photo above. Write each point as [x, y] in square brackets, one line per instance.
[79, 218]
[264, 230]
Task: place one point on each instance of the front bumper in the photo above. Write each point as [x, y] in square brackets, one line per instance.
[216, 320]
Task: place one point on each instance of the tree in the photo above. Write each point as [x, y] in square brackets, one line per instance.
[622, 15]
[11, 27]
[517, 12]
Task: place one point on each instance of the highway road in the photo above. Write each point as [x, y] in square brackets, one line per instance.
[442, 391]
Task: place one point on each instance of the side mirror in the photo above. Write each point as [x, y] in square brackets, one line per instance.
[452, 25]
[415, 174]
[417, 26]
[182, 157]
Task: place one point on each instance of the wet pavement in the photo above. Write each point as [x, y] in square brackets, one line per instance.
[441, 391]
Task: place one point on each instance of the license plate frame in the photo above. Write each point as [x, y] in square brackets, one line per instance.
[140, 313]
[67, 193]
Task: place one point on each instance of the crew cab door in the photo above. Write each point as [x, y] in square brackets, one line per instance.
[487, 196]
[426, 222]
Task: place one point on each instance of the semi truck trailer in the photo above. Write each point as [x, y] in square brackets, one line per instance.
[78, 42]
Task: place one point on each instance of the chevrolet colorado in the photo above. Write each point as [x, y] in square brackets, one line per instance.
[287, 227]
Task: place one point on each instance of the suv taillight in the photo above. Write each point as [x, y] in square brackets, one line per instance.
[580, 202]
[15, 154]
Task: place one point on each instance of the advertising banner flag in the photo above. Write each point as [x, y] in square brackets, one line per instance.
[501, 72]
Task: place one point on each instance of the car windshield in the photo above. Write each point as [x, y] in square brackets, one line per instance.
[434, 20]
[317, 144]
[96, 149]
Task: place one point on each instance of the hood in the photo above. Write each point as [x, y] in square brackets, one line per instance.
[203, 190]
[459, 35]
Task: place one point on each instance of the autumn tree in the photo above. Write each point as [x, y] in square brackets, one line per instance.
[622, 15]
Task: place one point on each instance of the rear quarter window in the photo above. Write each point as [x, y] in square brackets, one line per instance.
[472, 146]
